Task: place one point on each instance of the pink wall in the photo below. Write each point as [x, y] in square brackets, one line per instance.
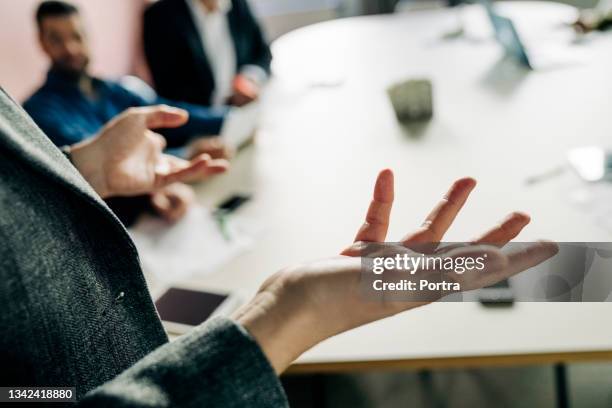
[114, 32]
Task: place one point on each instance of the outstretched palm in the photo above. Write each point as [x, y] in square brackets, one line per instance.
[303, 305]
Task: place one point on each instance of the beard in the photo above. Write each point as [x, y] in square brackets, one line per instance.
[74, 67]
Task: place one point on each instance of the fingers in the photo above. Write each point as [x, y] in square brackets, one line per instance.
[215, 147]
[163, 116]
[161, 204]
[506, 231]
[168, 207]
[173, 201]
[376, 224]
[495, 265]
[158, 141]
[198, 169]
[442, 216]
[203, 167]
[516, 261]
[528, 256]
[494, 259]
[498, 236]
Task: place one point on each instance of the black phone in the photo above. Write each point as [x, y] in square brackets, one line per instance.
[233, 203]
[182, 309]
[500, 294]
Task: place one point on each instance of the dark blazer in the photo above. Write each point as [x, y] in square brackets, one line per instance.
[176, 56]
[75, 307]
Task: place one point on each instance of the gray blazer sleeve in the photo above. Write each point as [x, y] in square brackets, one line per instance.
[216, 365]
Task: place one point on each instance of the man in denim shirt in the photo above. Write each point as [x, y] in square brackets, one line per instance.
[73, 105]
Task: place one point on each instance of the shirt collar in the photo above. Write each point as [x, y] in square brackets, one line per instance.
[225, 6]
[61, 78]
[65, 81]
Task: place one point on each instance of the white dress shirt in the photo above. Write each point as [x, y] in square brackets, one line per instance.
[218, 44]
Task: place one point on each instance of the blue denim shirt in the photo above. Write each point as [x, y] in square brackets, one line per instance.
[68, 116]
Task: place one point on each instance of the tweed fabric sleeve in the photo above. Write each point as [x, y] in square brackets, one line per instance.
[216, 365]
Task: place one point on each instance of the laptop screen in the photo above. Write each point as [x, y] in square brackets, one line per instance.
[506, 35]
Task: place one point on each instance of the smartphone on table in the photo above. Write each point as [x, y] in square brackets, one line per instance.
[500, 294]
[182, 309]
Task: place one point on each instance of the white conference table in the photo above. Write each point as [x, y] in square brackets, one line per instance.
[328, 128]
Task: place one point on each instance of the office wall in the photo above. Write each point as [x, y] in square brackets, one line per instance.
[114, 27]
[278, 24]
[281, 16]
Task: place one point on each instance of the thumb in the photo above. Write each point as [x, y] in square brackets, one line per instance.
[160, 202]
[163, 116]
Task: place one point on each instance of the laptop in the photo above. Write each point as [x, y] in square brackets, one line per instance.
[508, 37]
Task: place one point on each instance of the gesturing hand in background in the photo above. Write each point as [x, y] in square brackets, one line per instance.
[126, 158]
[173, 201]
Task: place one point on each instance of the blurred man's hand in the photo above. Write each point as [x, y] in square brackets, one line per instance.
[215, 147]
[245, 91]
[126, 158]
[172, 202]
[587, 21]
[593, 19]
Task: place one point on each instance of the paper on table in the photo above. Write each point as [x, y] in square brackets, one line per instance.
[194, 245]
[240, 124]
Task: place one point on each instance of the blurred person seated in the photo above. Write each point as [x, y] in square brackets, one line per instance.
[73, 105]
[169, 202]
[210, 52]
